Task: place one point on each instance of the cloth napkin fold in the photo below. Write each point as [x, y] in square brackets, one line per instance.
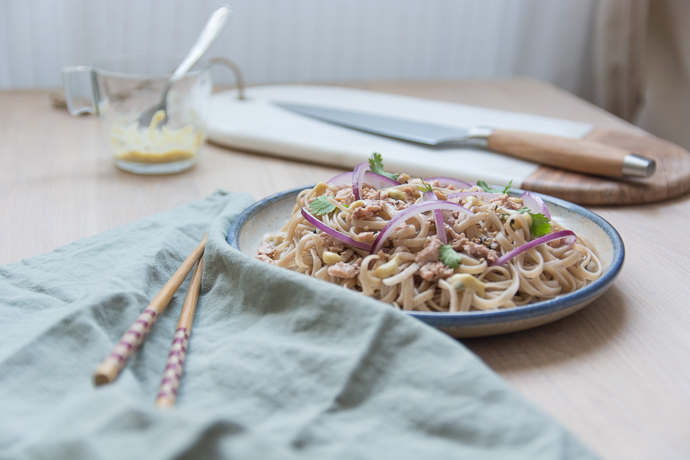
[279, 365]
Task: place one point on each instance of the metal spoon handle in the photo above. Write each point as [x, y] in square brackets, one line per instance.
[214, 26]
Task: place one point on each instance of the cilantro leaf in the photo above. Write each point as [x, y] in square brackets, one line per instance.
[426, 187]
[321, 206]
[540, 225]
[448, 256]
[488, 189]
[485, 186]
[376, 166]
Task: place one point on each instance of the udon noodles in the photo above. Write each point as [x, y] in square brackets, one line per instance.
[383, 240]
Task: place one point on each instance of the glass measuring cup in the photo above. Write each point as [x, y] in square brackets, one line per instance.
[118, 89]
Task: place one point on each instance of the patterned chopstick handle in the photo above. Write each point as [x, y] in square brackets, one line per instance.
[167, 392]
[125, 348]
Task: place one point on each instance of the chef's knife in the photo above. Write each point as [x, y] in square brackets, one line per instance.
[572, 154]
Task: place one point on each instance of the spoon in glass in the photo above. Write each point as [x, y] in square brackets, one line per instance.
[214, 26]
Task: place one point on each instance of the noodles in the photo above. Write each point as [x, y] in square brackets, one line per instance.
[414, 269]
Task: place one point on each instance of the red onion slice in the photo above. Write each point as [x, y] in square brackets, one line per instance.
[358, 179]
[446, 181]
[341, 180]
[333, 232]
[535, 204]
[438, 218]
[413, 210]
[568, 234]
[370, 178]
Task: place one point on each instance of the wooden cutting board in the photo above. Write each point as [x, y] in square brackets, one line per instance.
[671, 179]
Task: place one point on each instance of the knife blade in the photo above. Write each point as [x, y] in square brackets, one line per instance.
[576, 155]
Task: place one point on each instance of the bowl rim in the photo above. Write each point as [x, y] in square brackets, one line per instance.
[560, 303]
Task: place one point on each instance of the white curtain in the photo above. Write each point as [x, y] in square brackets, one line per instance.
[642, 64]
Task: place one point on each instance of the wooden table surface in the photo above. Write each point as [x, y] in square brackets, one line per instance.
[617, 374]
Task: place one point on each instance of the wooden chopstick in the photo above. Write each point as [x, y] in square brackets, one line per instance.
[113, 364]
[167, 392]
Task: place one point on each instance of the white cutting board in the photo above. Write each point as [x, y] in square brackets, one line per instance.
[256, 124]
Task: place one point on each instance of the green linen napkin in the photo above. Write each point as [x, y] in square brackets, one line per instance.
[279, 366]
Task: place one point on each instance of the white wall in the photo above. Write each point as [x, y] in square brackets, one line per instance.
[310, 40]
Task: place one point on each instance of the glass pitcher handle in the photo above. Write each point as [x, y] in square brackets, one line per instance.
[78, 90]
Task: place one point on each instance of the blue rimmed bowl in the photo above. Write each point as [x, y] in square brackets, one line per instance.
[271, 213]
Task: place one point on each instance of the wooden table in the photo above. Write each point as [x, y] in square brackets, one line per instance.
[617, 373]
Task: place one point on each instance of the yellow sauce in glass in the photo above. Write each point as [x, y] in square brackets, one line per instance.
[153, 145]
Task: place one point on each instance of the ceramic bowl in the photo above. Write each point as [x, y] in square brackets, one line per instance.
[271, 213]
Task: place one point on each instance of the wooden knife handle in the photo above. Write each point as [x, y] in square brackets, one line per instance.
[572, 154]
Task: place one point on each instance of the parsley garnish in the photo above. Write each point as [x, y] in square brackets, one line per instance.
[488, 189]
[540, 224]
[321, 206]
[448, 256]
[376, 166]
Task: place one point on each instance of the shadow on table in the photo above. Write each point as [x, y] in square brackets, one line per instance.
[570, 338]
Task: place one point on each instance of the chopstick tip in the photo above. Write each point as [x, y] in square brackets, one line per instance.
[101, 379]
